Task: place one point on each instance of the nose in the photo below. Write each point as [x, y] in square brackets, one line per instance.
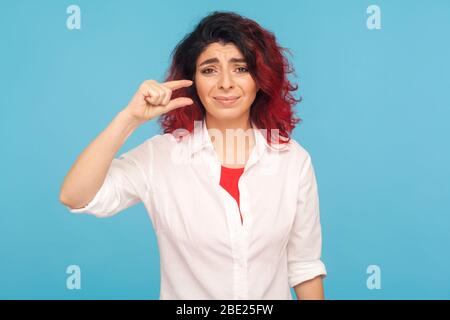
[226, 81]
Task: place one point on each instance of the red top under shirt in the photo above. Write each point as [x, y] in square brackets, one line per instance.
[229, 179]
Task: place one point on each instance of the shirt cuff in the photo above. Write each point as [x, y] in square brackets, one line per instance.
[87, 208]
[303, 271]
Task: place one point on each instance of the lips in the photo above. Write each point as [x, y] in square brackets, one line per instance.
[226, 101]
[226, 98]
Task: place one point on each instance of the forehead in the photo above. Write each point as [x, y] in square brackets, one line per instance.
[218, 50]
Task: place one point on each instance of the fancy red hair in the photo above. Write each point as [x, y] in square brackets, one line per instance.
[266, 61]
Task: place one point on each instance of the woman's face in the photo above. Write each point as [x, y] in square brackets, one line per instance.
[224, 84]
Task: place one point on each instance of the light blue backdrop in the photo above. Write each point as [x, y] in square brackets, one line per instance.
[375, 115]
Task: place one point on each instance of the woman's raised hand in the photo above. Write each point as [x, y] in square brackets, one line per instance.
[154, 99]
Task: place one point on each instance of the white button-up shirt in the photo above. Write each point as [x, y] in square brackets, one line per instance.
[205, 251]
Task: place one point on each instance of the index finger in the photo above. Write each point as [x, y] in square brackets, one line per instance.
[177, 84]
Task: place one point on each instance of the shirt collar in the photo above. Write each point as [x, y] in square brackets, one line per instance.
[200, 139]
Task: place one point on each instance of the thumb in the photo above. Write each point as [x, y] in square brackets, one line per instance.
[178, 103]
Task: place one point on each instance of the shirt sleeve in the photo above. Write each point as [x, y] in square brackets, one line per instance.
[305, 240]
[126, 183]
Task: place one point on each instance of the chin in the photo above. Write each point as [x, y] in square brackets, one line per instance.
[226, 114]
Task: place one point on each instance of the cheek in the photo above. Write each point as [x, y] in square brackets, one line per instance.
[202, 87]
[246, 83]
[202, 91]
[250, 88]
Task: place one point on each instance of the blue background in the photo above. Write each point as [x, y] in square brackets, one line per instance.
[375, 115]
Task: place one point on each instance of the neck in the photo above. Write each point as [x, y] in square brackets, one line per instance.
[233, 150]
[222, 125]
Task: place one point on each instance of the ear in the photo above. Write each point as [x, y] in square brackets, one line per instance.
[257, 86]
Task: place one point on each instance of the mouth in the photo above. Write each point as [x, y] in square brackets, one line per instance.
[226, 101]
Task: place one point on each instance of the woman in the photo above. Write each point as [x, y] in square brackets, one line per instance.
[234, 220]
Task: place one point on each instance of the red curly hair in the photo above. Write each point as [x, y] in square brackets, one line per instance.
[273, 104]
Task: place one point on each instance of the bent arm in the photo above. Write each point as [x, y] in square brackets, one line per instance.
[310, 290]
[89, 170]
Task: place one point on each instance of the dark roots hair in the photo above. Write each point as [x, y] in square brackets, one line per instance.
[273, 105]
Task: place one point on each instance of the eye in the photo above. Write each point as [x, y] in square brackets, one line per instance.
[211, 70]
[205, 71]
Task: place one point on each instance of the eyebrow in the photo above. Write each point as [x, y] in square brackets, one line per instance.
[215, 60]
